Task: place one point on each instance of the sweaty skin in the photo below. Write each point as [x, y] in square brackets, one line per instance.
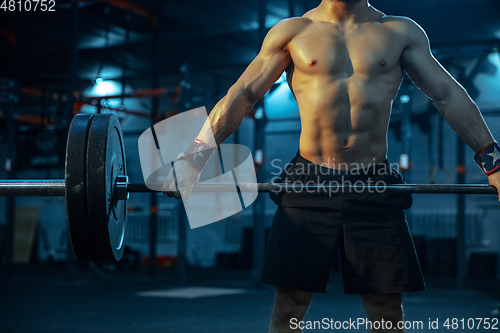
[344, 78]
[344, 62]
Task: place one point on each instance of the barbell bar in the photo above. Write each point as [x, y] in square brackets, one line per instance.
[56, 188]
[96, 188]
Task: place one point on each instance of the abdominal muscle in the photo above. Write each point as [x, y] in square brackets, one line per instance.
[344, 122]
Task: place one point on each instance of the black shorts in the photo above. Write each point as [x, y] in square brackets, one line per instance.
[367, 228]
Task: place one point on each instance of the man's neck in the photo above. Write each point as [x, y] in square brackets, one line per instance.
[344, 12]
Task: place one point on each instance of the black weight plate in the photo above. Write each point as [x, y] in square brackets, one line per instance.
[75, 182]
[105, 161]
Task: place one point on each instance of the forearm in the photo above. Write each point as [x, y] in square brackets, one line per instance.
[464, 118]
[226, 116]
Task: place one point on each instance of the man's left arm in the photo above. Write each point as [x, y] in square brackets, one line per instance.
[448, 95]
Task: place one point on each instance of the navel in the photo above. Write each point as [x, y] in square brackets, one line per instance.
[382, 63]
[313, 62]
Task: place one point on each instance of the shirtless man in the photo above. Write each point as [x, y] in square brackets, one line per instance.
[344, 62]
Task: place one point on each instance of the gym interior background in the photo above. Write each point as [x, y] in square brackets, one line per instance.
[149, 60]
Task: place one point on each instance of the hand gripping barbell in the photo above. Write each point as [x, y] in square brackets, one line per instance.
[96, 188]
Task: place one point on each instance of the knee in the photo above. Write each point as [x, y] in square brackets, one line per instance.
[387, 306]
[291, 303]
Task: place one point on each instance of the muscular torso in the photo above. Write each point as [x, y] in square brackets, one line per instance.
[344, 81]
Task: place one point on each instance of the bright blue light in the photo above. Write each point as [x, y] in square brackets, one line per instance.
[105, 88]
[98, 80]
[281, 103]
[259, 114]
[405, 99]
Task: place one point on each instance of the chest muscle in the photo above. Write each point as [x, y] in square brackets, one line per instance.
[328, 51]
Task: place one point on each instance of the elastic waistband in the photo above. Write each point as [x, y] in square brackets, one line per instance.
[366, 169]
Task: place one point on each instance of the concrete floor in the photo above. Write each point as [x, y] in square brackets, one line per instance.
[39, 298]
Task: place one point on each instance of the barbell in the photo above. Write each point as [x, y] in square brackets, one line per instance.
[96, 188]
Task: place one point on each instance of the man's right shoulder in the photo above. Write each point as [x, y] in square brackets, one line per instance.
[293, 23]
[287, 29]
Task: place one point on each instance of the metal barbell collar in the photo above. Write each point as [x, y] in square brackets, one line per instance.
[121, 189]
